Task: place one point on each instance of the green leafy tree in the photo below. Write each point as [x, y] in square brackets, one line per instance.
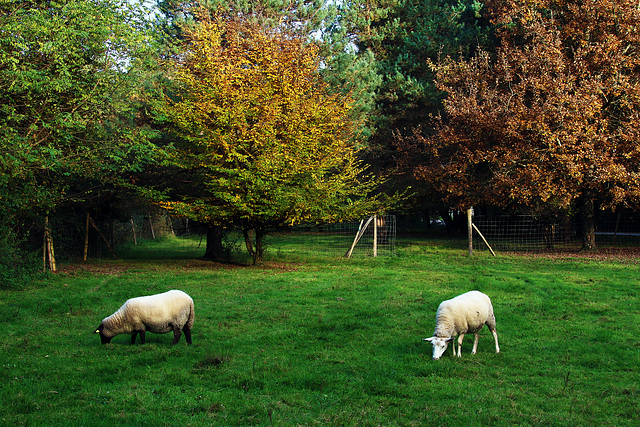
[264, 142]
[68, 76]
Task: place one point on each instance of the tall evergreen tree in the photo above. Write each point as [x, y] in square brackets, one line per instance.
[404, 36]
[385, 54]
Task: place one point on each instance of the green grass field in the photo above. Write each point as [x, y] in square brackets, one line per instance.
[307, 339]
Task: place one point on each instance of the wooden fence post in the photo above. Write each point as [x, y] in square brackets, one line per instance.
[48, 257]
[153, 233]
[133, 228]
[375, 236]
[470, 229]
[86, 239]
[359, 234]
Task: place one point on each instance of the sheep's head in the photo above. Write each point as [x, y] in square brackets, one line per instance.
[439, 345]
[105, 335]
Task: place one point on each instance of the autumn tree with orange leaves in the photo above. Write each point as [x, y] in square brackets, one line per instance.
[264, 143]
[551, 117]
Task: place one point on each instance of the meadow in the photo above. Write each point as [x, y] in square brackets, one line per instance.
[311, 339]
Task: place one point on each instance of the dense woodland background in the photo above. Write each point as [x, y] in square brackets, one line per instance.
[254, 116]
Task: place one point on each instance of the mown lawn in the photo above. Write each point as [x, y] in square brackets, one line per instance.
[308, 339]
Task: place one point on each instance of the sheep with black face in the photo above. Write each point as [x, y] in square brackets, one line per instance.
[161, 313]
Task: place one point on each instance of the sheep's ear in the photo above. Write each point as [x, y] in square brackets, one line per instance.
[428, 339]
[97, 331]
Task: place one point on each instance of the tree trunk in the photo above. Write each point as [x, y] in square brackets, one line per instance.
[214, 250]
[259, 246]
[588, 225]
[256, 250]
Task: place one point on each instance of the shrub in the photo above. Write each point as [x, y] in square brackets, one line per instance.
[18, 264]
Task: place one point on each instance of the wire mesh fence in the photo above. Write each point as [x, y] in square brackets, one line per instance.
[521, 233]
[374, 236]
[189, 238]
[526, 233]
[369, 237]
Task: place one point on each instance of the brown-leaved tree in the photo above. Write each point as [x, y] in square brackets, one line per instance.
[551, 117]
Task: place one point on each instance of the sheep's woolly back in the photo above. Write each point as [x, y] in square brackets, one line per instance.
[466, 313]
[153, 313]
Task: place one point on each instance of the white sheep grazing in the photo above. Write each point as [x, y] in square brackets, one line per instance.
[466, 313]
[161, 313]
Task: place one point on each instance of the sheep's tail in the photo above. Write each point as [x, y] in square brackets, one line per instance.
[191, 315]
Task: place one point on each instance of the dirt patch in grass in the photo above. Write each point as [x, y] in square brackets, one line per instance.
[203, 264]
[210, 362]
[621, 254]
[120, 267]
[95, 268]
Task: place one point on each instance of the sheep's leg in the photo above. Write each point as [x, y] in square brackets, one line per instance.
[176, 335]
[133, 337]
[495, 337]
[476, 337]
[460, 338]
[142, 339]
[187, 334]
